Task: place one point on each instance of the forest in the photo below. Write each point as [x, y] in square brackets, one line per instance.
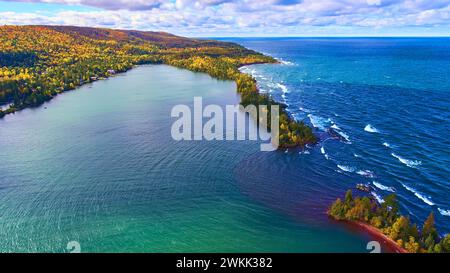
[39, 62]
[386, 218]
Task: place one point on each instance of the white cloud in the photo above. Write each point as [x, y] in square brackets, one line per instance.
[243, 16]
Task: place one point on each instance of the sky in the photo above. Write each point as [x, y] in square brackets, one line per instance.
[235, 18]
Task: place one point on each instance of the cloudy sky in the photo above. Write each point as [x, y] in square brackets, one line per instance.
[214, 18]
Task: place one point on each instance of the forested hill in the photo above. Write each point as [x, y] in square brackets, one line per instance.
[162, 39]
[38, 62]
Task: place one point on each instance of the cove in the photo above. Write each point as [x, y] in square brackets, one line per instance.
[98, 166]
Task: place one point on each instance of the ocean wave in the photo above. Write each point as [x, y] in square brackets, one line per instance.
[337, 130]
[334, 126]
[319, 122]
[383, 187]
[305, 152]
[346, 168]
[444, 212]
[385, 144]
[356, 155]
[366, 173]
[344, 136]
[304, 110]
[322, 150]
[377, 197]
[425, 199]
[283, 88]
[369, 128]
[407, 162]
[327, 157]
[285, 62]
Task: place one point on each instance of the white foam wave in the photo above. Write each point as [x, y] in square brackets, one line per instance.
[377, 197]
[369, 128]
[407, 162]
[425, 199]
[345, 136]
[285, 62]
[334, 126]
[444, 212]
[304, 110]
[322, 150]
[283, 88]
[383, 187]
[319, 122]
[366, 173]
[356, 155]
[346, 168]
[385, 144]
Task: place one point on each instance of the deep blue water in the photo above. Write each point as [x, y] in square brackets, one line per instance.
[388, 98]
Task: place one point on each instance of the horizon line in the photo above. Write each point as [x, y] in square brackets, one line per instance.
[251, 36]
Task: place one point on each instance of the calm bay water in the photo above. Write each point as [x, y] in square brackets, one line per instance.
[99, 166]
[387, 98]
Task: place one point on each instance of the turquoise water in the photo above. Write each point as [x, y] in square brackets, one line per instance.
[389, 100]
[98, 166]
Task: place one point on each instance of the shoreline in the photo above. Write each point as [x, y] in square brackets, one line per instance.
[220, 60]
[375, 233]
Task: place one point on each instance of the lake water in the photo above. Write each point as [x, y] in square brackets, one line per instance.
[98, 166]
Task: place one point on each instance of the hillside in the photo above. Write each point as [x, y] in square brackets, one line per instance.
[39, 62]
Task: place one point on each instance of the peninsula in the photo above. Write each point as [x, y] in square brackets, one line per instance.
[384, 222]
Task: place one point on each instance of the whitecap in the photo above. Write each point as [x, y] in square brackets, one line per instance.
[444, 212]
[377, 197]
[304, 110]
[285, 62]
[385, 144]
[425, 199]
[366, 173]
[346, 168]
[334, 126]
[383, 187]
[407, 162]
[369, 128]
[282, 87]
[322, 150]
[327, 157]
[345, 136]
[319, 122]
[356, 155]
